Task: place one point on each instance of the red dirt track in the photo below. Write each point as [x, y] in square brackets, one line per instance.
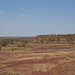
[34, 61]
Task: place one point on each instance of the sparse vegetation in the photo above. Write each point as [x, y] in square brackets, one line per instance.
[70, 41]
[4, 42]
[21, 45]
[0, 47]
[42, 41]
[58, 39]
[47, 55]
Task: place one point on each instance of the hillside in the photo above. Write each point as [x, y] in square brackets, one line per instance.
[43, 55]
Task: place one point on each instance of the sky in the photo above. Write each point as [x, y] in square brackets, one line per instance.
[36, 17]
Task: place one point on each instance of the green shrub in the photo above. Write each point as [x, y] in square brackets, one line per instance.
[4, 42]
[0, 47]
[51, 40]
[70, 41]
[58, 39]
[42, 41]
[21, 45]
[25, 41]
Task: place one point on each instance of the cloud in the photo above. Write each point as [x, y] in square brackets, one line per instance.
[1, 12]
[22, 24]
[24, 15]
[24, 9]
[8, 22]
[12, 22]
[60, 18]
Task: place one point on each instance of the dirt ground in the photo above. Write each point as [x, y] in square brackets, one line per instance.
[41, 60]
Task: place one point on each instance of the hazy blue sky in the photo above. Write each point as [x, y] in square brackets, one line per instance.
[34, 17]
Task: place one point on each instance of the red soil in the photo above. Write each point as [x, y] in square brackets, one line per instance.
[30, 61]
